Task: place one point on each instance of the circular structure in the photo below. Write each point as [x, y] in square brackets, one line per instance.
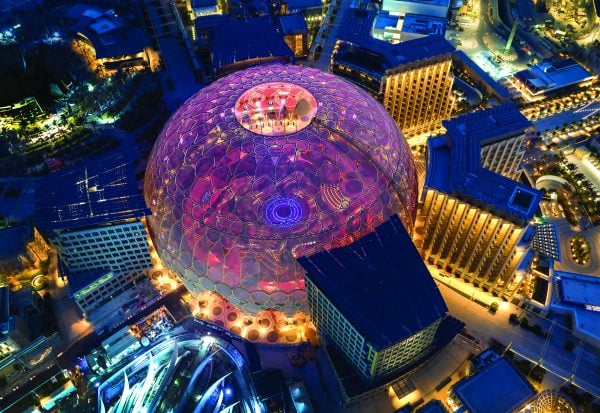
[553, 401]
[275, 109]
[233, 206]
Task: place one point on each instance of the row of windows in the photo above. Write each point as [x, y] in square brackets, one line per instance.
[101, 296]
[328, 319]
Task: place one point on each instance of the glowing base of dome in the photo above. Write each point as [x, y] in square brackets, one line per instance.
[267, 326]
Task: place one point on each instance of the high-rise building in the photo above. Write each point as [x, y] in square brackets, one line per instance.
[418, 91]
[500, 134]
[413, 79]
[376, 302]
[473, 221]
[93, 215]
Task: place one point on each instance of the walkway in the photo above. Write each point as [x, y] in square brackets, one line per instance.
[582, 365]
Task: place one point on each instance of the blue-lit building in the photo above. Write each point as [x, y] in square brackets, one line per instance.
[310, 10]
[437, 8]
[375, 303]
[93, 215]
[497, 387]
[551, 76]
[295, 33]
[413, 18]
[474, 220]
[238, 44]
[115, 41]
[413, 79]
[480, 78]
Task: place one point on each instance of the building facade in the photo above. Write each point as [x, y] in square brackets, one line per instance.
[474, 220]
[359, 303]
[94, 216]
[370, 361]
[93, 292]
[412, 79]
[418, 95]
[472, 243]
[119, 247]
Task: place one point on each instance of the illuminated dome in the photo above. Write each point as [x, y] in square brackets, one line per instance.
[266, 165]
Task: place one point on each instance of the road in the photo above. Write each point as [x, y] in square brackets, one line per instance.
[67, 359]
[582, 364]
[573, 114]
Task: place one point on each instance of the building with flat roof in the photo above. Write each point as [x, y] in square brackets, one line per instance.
[115, 42]
[552, 75]
[437, 8]
[239, 44]
[413, 79]
[497, 388]
[94, 216]
[497, 133]
[474, 221]
[310, 10]
[424, 25]
[376, 303]
[198, 8]
[295, 33]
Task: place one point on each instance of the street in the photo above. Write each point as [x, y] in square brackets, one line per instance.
[574, 114]
[581, 366]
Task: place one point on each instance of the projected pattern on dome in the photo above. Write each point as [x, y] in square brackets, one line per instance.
[232, 209]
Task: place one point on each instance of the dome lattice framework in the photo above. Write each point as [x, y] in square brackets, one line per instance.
[233, 207]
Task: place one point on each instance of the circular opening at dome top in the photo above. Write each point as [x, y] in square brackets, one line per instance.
[275, 109]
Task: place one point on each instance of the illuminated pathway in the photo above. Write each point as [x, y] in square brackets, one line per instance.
[266, 327]
[187, 373]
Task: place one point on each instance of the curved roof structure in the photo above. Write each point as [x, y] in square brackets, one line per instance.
[187, 373]
[267, 165]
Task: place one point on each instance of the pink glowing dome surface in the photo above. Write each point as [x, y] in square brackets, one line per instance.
[233, 206]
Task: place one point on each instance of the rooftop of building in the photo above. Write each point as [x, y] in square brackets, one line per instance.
[356, 30]
[241, 40]
[203, 4]
[380, 284]
[578, 289]
[586, 320]
[554, 73]
[13, 239]
[210, 21]
[298, 5]
[385, 19]
[292, 24]
[79, 281]
[111, 35]
[455, 162]
[425, 25]
[103, 190]
[481, 393]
